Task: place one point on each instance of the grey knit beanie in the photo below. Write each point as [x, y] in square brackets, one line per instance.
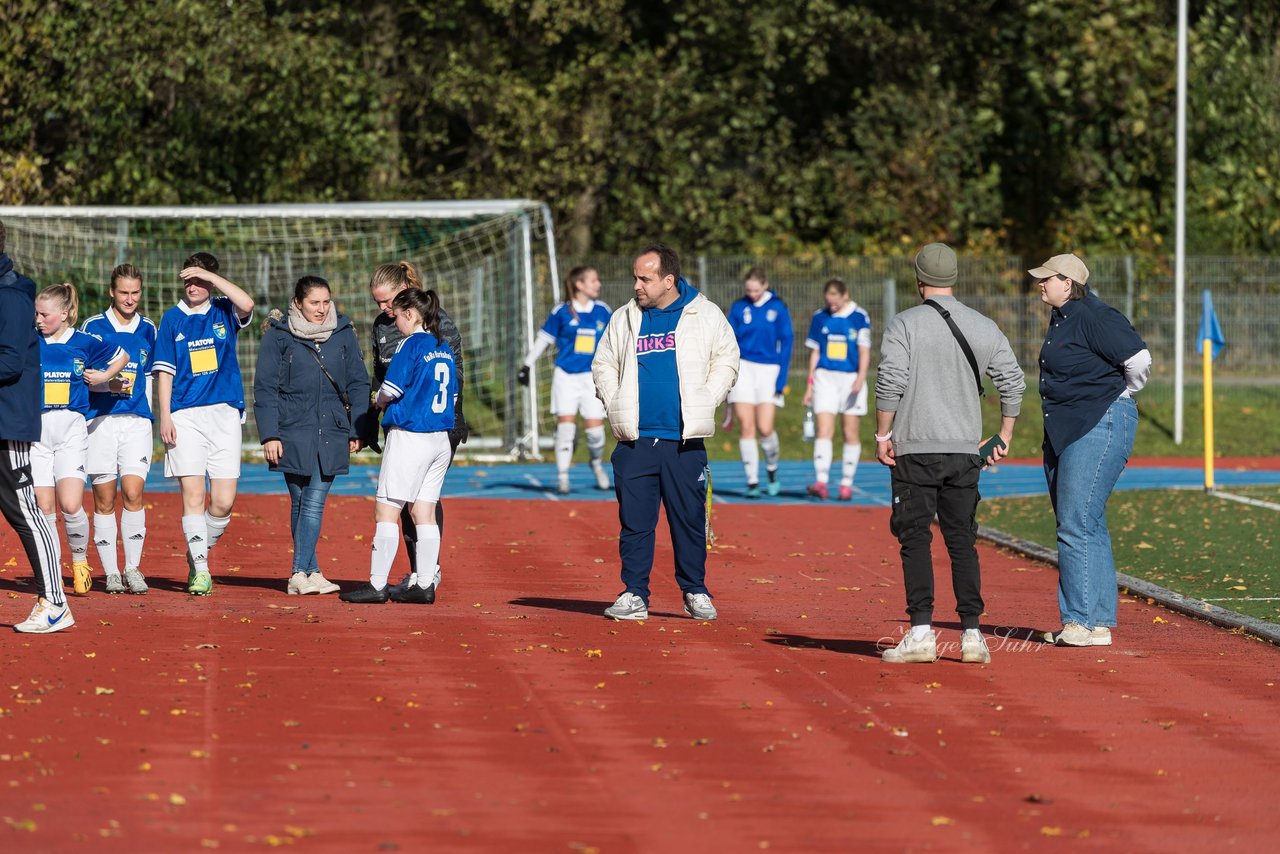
[936, 265]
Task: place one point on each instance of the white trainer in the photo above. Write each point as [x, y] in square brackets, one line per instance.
[1100, 636]
[46, 618]
[602, 479]
[973, 647]
[300, 584]
[320, 584]
[911, 650]
[134, 581]
[698, 606]
[628, 606]
[1072, 634]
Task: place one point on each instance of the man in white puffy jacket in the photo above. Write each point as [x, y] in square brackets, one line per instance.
[667, 360]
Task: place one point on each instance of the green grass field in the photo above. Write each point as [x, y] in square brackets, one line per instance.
[1221, 551]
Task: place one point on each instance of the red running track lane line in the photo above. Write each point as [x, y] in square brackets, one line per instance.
[489, 722]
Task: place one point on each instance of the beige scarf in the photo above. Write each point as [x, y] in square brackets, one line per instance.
[305, 329]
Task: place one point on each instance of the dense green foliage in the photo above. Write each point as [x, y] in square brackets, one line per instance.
[779, 127]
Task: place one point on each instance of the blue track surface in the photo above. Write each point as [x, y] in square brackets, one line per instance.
[871, 487]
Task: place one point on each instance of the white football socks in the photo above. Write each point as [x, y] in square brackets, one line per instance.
[196, 532]
[772, 451]
[750, 459]
[566, 432]
[595, 443]
[77, 525]
[386, 542]
[104, 540]
[852, 452]
[822, 459]
[428, 555]
[133, 531]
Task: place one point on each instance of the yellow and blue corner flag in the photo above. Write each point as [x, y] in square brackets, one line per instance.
[1209, 327]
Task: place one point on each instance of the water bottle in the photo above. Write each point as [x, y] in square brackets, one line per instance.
[808, 424]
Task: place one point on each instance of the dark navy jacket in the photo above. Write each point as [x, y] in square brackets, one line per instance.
[20, 379]
[293, 400]
[1082, 367]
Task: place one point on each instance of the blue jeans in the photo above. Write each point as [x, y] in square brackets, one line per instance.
[1080, 481]
[307, 495]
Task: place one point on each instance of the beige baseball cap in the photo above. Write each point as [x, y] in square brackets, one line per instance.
[1062, 265]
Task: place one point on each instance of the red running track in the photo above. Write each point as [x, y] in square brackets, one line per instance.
[511, 716]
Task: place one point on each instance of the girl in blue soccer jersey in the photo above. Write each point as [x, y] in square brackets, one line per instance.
[418, 396]
[574, 327]
[200, 401]
[762, 325]
[70, 362]
[839, 341]
[120, 432]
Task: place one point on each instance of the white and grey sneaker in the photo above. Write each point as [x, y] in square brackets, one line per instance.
[913, 650]
[602, 479]
[628, 606]
[698, 606]
[320, 584]
[115, 584]
[973, 648]
[1074, 634]
[134, 581]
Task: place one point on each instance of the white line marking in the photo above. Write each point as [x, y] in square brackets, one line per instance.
[1253, 502]
[1244, 599]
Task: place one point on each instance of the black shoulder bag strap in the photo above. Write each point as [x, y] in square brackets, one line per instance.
[342, 394]
[964, 345]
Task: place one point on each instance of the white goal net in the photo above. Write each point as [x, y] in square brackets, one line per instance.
[492, 262]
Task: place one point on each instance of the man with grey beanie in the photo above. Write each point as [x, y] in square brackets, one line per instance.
[929, 432]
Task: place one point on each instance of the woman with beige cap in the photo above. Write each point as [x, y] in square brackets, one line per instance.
[1092, 362]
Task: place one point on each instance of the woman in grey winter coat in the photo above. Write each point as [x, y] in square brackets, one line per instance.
[309, 377]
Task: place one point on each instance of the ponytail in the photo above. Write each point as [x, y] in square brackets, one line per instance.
[65, 297]
[399, 275]
[425, 303]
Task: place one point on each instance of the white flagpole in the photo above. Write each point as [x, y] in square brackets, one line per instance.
[1180, 227]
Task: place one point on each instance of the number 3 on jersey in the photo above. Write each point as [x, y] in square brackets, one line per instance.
[440, 401]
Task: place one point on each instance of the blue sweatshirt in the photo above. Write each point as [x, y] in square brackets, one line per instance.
[20, 378]
[659, 376]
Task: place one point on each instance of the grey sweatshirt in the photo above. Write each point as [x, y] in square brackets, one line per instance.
[925, 378]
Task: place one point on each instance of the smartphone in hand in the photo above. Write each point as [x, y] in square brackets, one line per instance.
[988, 448]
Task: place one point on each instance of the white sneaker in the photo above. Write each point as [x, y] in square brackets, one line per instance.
[300, 584]
[562, 485]
[1100, 636]
[973, 648]
[912, 651]
[115, 584]
[134, 581]
[45, 618]
[628, 606]
[1072, 634]
[698, 606]
[320, 584]
[602, 479]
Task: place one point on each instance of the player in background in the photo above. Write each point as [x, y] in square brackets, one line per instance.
[200, 402]
[387, 281]
[762, 325]
[574, 327]
[70, 362]
[120, 432]
[839, 341]
[418, 395]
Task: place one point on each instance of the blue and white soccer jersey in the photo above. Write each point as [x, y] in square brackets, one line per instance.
[120, 421]
[576, 335]
[423, 379]
[763, 330]
[198, 348]
[837, 338]
[64, 439]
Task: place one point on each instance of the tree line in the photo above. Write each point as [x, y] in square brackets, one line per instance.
[771, 127]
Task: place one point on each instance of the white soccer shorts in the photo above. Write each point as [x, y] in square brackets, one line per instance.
[574, 393]
[413, 466]
[119, 445]
[833, 392]
[208, 442]
[757, 383]
[62, 449]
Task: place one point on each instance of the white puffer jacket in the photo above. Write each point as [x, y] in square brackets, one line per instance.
[706, 356]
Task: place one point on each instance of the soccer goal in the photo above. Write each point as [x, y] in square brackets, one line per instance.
[492, 262]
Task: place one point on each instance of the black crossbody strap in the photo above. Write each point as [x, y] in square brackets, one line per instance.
[342, 394]
[964, 344]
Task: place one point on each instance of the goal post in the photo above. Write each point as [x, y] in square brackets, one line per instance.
[493, 262]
